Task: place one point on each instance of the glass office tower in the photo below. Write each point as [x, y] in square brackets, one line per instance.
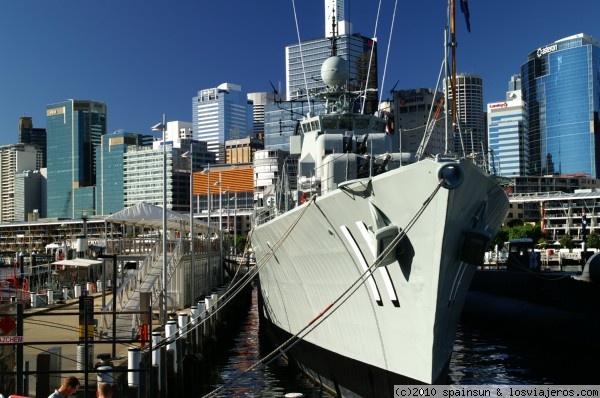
[74, 129]
[561, 88]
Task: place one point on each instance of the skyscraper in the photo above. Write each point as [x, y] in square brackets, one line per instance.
[74, 130]
[14, 159]
[110, 158]
[508, 134]
[303, 60]
[471, 119]
[33, 135]
[561, 88]
[220, 114]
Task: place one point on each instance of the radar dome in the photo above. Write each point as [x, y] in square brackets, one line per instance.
[334, 71]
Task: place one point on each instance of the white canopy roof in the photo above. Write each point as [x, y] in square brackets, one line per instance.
[78, 262]
[151, 216]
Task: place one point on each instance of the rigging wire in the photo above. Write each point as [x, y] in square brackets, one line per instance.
[334, 305]
[362, 109]
[387, 54]
[301, 56]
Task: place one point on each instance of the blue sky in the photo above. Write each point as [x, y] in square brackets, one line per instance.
[143, 58]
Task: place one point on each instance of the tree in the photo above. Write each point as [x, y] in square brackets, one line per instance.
[566, 241]
[543, 243]
[593, 240]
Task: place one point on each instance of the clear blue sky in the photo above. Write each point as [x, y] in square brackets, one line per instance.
[143, 58]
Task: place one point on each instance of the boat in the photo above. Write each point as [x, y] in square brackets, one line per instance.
[364, 272]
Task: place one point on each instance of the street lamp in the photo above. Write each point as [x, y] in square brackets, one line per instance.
[162, 127]
[190, 154]
[234, 223]
[207, 172]
[220, 185]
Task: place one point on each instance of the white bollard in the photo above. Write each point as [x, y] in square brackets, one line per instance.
[105, 375]
[33, 298]
[133, 359]
[77, 290]
[182, 322]
[50, 294]
[156, 354]
[65, 293]
[171, 336]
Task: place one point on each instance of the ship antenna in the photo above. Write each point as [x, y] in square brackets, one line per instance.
[334, 36]
[301, 57]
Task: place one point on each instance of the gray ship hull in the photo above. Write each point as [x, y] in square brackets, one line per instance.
[398, 323]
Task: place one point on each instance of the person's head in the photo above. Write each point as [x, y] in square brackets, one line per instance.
[69, 386]
[104, 390]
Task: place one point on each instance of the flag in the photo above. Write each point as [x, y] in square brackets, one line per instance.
[464, 7]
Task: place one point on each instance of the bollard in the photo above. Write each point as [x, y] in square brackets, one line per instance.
[156, 354]
[33, 297]
[65, 291]
[133, 361]
[182, 322]
[105, 375]
[99, 286]
[77, 290]
[171, 336]
[50, 294]
[208, 317]
[194, 325]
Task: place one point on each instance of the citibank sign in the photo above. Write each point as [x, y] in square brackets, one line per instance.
[547, 49]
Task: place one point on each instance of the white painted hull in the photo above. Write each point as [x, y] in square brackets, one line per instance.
[401, 322]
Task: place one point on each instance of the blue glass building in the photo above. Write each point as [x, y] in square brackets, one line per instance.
[220, 114]
[560, 83]
[74, 130]
[110, 155]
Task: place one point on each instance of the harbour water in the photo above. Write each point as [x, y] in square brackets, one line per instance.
[480, 357]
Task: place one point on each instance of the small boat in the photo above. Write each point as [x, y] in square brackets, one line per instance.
[362, 282]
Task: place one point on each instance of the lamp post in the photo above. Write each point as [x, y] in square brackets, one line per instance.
[207, 172]
[220, 279]
[162, 127]
[190, 154]
[234, 221]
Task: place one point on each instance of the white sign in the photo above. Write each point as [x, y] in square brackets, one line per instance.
[547, 49]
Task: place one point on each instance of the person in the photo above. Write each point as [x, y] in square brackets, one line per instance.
[68, 387]
[104, 390]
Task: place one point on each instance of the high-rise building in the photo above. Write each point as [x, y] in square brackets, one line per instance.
[242, 151]
[143, 171]
[561, 88]
[35, 136]
[110, 158]
[470, 134]
[74, 130]
[508, 137]
[335, 13]
[14, 159]
[412, 110]
[258, 102]
[304, 61]
[28, 196]
[282, 120]
[220, 114]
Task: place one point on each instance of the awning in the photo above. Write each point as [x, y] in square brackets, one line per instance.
[77, 262]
